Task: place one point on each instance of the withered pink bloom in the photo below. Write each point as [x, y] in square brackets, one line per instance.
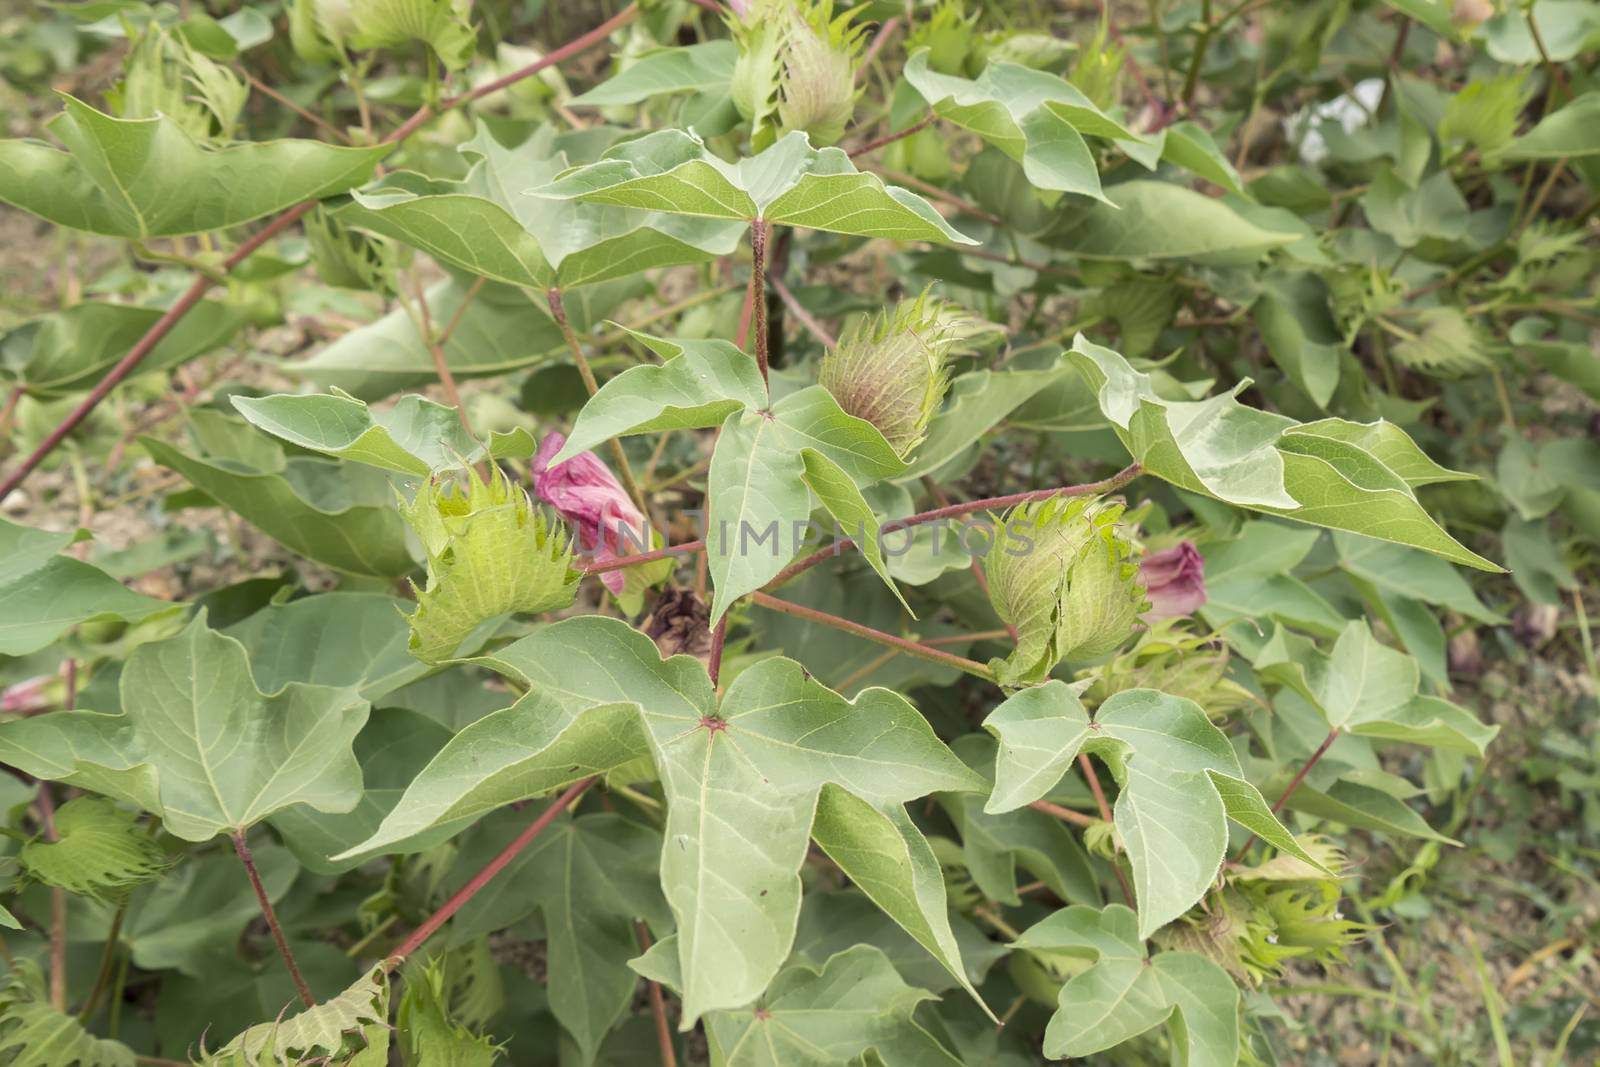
[1174, 581]
[26, 697]
[588, 496]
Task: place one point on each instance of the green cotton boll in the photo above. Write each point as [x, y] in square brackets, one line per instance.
[490, 553]
[1062, 574]
[892, 370]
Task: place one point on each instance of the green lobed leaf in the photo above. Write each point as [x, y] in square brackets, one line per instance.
[1433, 209]
[1367, 688]
[1192, 148]
[699, 384]
[1160, 220]
[1297, 324]
[69, 350]
[145, 178]
[498, 329]
[197, 744]
[996, 845]
[851, 512]
[1035, 117]
[759, 499]
[852, 1009]
[492, 223]
[1250, 577]
[415, 436]
[1412, 575]
[695, 68]
[1571, 132]
[1180, 783]
[341, 639]
[600, 696]
[1125, 993]
[334, 513]
[392, 748]
[833, 922]
[1351, 476]
[191, 921]
[590, 877]
[790, 183]
[43, 593]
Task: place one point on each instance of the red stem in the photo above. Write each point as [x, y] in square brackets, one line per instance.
[912, 648]
[758, 291]
[617, 564]
[573, 47]
[891, 138]
[431, 925]
[798, 310]
[658, 1006]
[1294, 783]
[1093, 779]
[1077, 818]
[58, 909]
[198, 288]
[271, 916]
[714, 661]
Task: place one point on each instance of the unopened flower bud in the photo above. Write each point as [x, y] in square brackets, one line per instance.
[796, 68]
[891, 371]
[817, 92]
[490, 552]
[1061, 574]
[1468, 14]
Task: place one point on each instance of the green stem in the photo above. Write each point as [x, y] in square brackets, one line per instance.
[108, 960]
[1191, 80]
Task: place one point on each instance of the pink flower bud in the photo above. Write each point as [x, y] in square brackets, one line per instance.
[1174, 581]
[588, 495]
[27, 697]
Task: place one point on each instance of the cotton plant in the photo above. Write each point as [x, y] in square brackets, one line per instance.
[863, 530]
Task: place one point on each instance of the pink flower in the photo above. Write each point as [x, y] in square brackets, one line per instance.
[588, 495]
[1174, 581]
[27, 697]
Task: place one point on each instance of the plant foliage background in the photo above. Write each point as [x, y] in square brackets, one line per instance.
[1206, 392]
